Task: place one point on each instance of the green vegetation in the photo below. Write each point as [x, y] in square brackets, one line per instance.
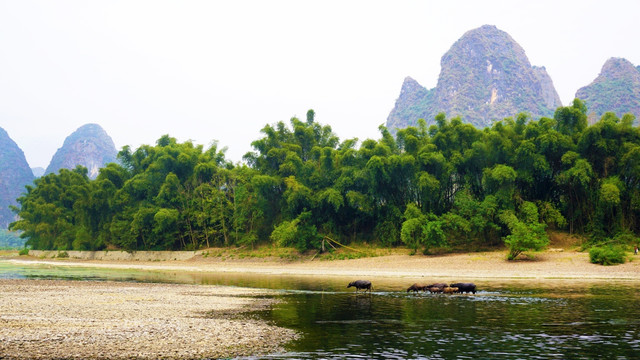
[607, 255]
[448, 187]
[527, 233]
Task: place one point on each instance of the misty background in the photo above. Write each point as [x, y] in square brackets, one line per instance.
[213, 70]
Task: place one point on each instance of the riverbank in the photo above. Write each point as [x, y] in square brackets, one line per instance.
[113, 320]
[550, 264]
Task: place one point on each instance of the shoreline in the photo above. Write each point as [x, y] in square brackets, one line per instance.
[47, 319]
[482, 265]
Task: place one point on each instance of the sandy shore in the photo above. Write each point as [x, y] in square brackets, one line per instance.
[109, 320]
[482, 265]
[66, 319]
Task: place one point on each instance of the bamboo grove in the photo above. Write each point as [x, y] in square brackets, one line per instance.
[448, 185]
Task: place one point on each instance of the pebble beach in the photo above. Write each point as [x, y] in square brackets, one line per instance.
[51, 319]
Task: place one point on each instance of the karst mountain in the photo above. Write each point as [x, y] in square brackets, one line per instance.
[89, 146]
[14, 175]
[616, 89]
[485, 76]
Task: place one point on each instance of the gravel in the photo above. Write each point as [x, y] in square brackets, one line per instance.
[49, 319]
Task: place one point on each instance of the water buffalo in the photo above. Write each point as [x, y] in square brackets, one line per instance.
[465, 287]
[434, 289]
[438, 285]
[450, 290]
[417, 287]
[360, 284]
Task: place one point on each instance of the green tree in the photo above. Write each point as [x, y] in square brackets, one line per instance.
[527, 233]
[50, 210]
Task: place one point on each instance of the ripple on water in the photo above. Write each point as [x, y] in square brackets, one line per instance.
[509, 321]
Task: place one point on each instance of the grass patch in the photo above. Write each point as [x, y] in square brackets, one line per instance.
[260, 252]
[342, 255]
[271, 252]
[360, 250]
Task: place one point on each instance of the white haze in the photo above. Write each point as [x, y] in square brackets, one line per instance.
[221, 70]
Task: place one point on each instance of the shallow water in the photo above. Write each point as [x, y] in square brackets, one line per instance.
[515, 319]
[515, 323]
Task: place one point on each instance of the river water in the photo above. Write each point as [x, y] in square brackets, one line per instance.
[514, 319]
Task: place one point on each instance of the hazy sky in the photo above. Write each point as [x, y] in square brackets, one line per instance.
[221, 70]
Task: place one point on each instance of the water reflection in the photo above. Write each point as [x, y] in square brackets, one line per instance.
[514, 319]
[501, 325]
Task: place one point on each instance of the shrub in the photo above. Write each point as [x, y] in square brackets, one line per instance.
[387, 233]
[299, 233]
[411, 233]
[63, 254]
[607, 255]
[23, 252]
[527, 234]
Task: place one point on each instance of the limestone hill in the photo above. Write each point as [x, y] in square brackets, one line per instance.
[485, 76]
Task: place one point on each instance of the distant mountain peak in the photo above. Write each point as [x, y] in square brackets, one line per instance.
[413, 100]
[549, 94]
[89, 146]
[14, 175]
[617, 67]
[485, 76]
[409, 84]
[615, 89]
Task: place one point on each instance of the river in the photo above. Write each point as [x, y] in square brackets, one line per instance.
[514, 319]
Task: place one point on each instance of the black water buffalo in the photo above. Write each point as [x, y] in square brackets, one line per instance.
[465, 287]
[417, 287]
[360, 284]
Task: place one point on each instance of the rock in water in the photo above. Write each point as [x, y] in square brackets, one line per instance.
[14, 175]
[485, 76]
[616, 89]
[89, 146]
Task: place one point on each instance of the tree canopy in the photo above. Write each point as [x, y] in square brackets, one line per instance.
[447, 185]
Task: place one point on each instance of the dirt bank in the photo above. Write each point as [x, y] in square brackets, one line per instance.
[116, 255]
[565, 264]
[108, 320]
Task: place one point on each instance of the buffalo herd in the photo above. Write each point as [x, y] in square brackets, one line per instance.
[444, 288]
[455, 288]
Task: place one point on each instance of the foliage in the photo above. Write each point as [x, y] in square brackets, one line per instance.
[527, 233]
[447, 185]
[607, 255]
[421, 230]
